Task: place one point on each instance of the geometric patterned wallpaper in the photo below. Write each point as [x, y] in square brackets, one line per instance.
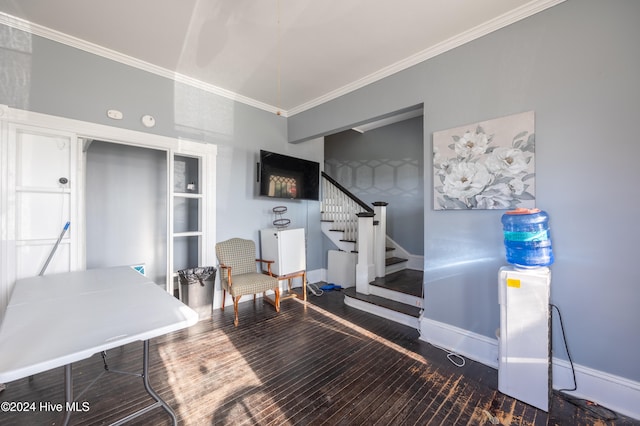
[397, 177]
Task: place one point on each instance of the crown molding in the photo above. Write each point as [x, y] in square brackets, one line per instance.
[48, 33]
[502, 21]
[495, 24]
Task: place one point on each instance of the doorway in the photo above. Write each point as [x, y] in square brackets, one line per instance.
[126, 208]
[131, 172]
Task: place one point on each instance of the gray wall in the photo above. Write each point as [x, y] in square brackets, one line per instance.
[47, 77]
[577, 66]
[126, 214]
[384, 164]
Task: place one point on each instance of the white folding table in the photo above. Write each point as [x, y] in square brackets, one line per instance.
[58, 319]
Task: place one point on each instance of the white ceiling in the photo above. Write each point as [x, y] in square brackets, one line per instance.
[279, 55]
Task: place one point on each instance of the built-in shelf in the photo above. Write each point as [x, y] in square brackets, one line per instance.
[187, 212]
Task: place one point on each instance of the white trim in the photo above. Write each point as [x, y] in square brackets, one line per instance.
[396, 267]
[7, 246]
[316, 276]
[495, 24]
[372, 125]
[414, 261]
[463, 342]
[396, 296]
[611, 391]
[57, 36]
[390, 314]
[87, 130]
[206, 196]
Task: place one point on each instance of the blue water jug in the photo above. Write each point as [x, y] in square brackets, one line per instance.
[526, 238]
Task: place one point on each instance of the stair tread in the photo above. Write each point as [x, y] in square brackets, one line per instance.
[384, 303]
[394, 260]
[407, 281]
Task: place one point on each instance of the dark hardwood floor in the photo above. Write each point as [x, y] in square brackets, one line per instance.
[324, 363]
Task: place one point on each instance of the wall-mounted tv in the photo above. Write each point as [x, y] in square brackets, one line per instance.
[282, 176]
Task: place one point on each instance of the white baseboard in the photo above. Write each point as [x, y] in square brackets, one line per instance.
[317, 275]
[463, 342]
[414, 261]
[614, 392]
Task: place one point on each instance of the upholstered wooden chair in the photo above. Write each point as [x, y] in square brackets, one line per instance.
[238, 276]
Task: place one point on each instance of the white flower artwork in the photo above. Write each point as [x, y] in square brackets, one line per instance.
[488, 165]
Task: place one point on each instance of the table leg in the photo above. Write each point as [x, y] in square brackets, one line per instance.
[150, 391]
[147, 386]
[68, 393]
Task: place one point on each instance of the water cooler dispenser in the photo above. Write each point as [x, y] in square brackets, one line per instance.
[524, 362]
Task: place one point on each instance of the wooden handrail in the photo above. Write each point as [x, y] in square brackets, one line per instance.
[347, 193]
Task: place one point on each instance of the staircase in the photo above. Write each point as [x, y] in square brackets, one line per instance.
[399, 303]
[340, 216]
[367, 260]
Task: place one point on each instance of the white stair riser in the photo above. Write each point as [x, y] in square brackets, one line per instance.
[389, 314]
[396, 296]
[390, 269]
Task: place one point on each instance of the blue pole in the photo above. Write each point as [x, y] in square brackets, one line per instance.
[55, 247]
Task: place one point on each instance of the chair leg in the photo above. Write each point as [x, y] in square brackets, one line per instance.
[224, 296]
[304, 285]
[277, 292]
[235, 309]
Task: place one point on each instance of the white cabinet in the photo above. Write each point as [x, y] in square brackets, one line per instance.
[286, 247]
[341, 268]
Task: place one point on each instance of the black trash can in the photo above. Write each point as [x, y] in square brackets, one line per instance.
[196, 289]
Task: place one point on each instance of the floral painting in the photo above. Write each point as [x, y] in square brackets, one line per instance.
[488, 165]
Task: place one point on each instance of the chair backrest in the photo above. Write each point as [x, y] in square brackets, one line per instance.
[239, 254]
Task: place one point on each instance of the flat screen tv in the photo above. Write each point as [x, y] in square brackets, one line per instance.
[282, 176]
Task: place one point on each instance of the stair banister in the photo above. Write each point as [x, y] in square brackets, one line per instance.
[365, 269]
[355, 219]
[380, 237]
[362, 204]
[341, 207]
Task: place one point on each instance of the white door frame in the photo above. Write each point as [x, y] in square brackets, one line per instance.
[92, 131]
